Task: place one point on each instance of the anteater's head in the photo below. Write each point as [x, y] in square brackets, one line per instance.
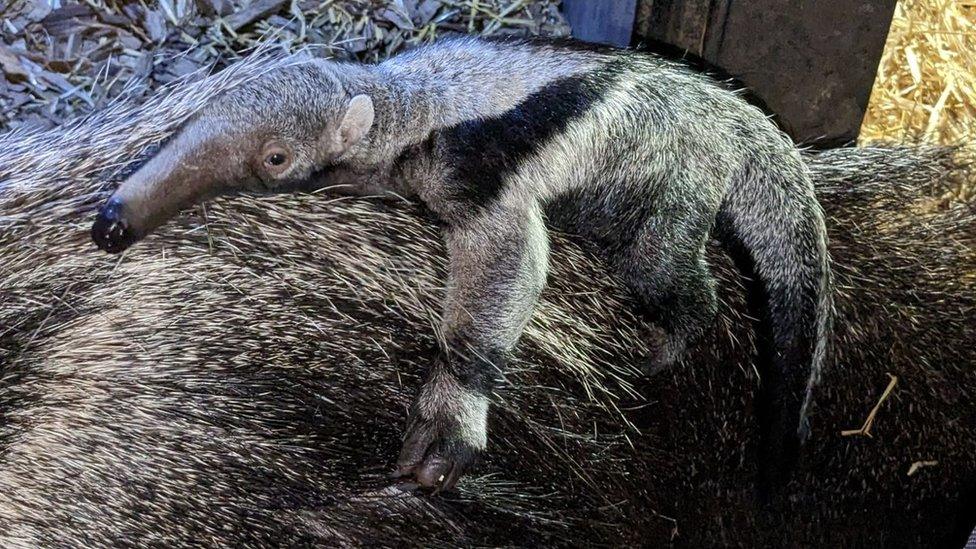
[268, 135]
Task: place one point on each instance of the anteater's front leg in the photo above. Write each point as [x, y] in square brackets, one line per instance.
[498, 266]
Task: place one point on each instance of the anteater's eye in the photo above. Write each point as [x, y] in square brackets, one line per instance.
[276, 158]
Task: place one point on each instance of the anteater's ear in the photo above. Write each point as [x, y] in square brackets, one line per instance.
[356, 122]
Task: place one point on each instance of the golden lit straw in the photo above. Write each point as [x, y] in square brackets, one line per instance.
[925, 91]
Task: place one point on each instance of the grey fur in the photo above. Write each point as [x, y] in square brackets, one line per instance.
[237, 380]
[657, 152]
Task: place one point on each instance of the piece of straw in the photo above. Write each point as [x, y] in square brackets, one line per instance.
[865, 429]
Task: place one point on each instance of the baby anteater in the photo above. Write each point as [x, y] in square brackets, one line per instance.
[638, 154]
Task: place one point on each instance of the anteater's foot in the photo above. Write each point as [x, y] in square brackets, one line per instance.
[446, 432]
[433, 459]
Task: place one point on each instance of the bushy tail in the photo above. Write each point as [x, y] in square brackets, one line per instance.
[772, 218]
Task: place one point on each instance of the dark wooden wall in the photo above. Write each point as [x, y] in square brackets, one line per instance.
[602, 21]
[813, 62]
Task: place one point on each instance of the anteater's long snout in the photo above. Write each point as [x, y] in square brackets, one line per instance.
[191, 168]
[111, 232]
[151, 197]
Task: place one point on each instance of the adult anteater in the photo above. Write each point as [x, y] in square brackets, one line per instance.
[239, 378]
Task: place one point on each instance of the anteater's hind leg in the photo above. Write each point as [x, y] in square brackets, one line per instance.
[664, 266]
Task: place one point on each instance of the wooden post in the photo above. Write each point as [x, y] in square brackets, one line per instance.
[601, 21]
[813, 62]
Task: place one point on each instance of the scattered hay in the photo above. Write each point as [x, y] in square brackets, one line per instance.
[865, 430]
[919, 464]
[925, 91]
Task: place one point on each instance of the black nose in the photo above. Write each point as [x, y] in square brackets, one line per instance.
[110, 231]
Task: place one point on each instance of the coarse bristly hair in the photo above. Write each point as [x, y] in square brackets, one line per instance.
[502, 139]
[241, 378]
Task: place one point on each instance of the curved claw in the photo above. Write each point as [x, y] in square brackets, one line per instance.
[432, 459]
